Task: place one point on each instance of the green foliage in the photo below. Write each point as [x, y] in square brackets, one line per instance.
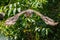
[31, 28]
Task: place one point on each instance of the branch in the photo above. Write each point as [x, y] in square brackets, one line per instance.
[47, 20]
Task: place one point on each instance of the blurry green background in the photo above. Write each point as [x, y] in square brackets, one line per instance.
[32, 28]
